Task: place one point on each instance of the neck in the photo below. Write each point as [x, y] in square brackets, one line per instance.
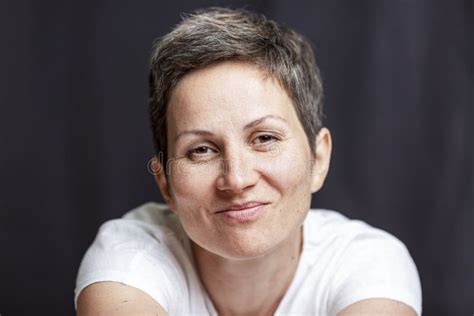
[252, 286]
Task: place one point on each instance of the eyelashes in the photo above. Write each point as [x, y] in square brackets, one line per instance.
[260, 142]
[198, 151]
[267, 138]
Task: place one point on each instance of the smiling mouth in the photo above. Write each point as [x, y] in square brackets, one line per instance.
[243, 212]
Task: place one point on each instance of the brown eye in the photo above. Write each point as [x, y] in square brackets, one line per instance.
[200, 151]
[265, 138]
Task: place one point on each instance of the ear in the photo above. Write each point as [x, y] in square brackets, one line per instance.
[158, 171]
[322, 159]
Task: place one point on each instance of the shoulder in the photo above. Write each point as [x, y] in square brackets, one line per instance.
[148, 230]
[150, 222]
[143, 249]
[327, 227]
[365, 262]
[333, 224]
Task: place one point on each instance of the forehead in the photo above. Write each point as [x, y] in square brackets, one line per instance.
[227, 94]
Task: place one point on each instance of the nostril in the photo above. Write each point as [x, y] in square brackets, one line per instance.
[235, 180]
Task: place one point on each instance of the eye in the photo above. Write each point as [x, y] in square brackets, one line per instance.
[265, 139]
[198, 152]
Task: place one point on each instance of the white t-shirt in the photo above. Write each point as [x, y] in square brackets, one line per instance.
[342, 261]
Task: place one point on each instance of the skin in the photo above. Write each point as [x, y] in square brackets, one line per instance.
[234, 164]
[226, 163]
[247, 267]
[113, 298]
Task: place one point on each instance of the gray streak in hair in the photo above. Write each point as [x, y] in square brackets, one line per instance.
[215, 35]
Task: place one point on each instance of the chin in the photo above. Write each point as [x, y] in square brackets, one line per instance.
[245, 253]
[245, 247]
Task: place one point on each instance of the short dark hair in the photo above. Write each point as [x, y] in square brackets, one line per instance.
[214, 35]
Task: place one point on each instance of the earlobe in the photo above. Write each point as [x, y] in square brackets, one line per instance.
[159, 173]
[322, 157]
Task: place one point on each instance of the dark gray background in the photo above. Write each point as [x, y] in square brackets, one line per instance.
[74, 136]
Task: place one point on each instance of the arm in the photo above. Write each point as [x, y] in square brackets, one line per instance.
[113, 298]
[377, 307]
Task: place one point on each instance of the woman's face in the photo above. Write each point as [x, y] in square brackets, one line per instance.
[234, 138]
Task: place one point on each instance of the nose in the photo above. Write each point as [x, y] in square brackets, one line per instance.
[237, 173]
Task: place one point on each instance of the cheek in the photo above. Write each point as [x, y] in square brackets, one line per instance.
[192, 191]
[288, 170]
[192, 183]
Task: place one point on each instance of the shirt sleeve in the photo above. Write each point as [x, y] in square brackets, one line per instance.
[124, 252]
[375, 264]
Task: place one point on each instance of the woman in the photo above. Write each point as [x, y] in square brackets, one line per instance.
[236, 107]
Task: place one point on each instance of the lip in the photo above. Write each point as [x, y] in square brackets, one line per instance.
[239, 213]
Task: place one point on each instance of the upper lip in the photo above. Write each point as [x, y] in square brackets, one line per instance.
[242, 206]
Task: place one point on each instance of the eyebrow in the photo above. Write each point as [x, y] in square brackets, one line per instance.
[262, 119]
[201, 132]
